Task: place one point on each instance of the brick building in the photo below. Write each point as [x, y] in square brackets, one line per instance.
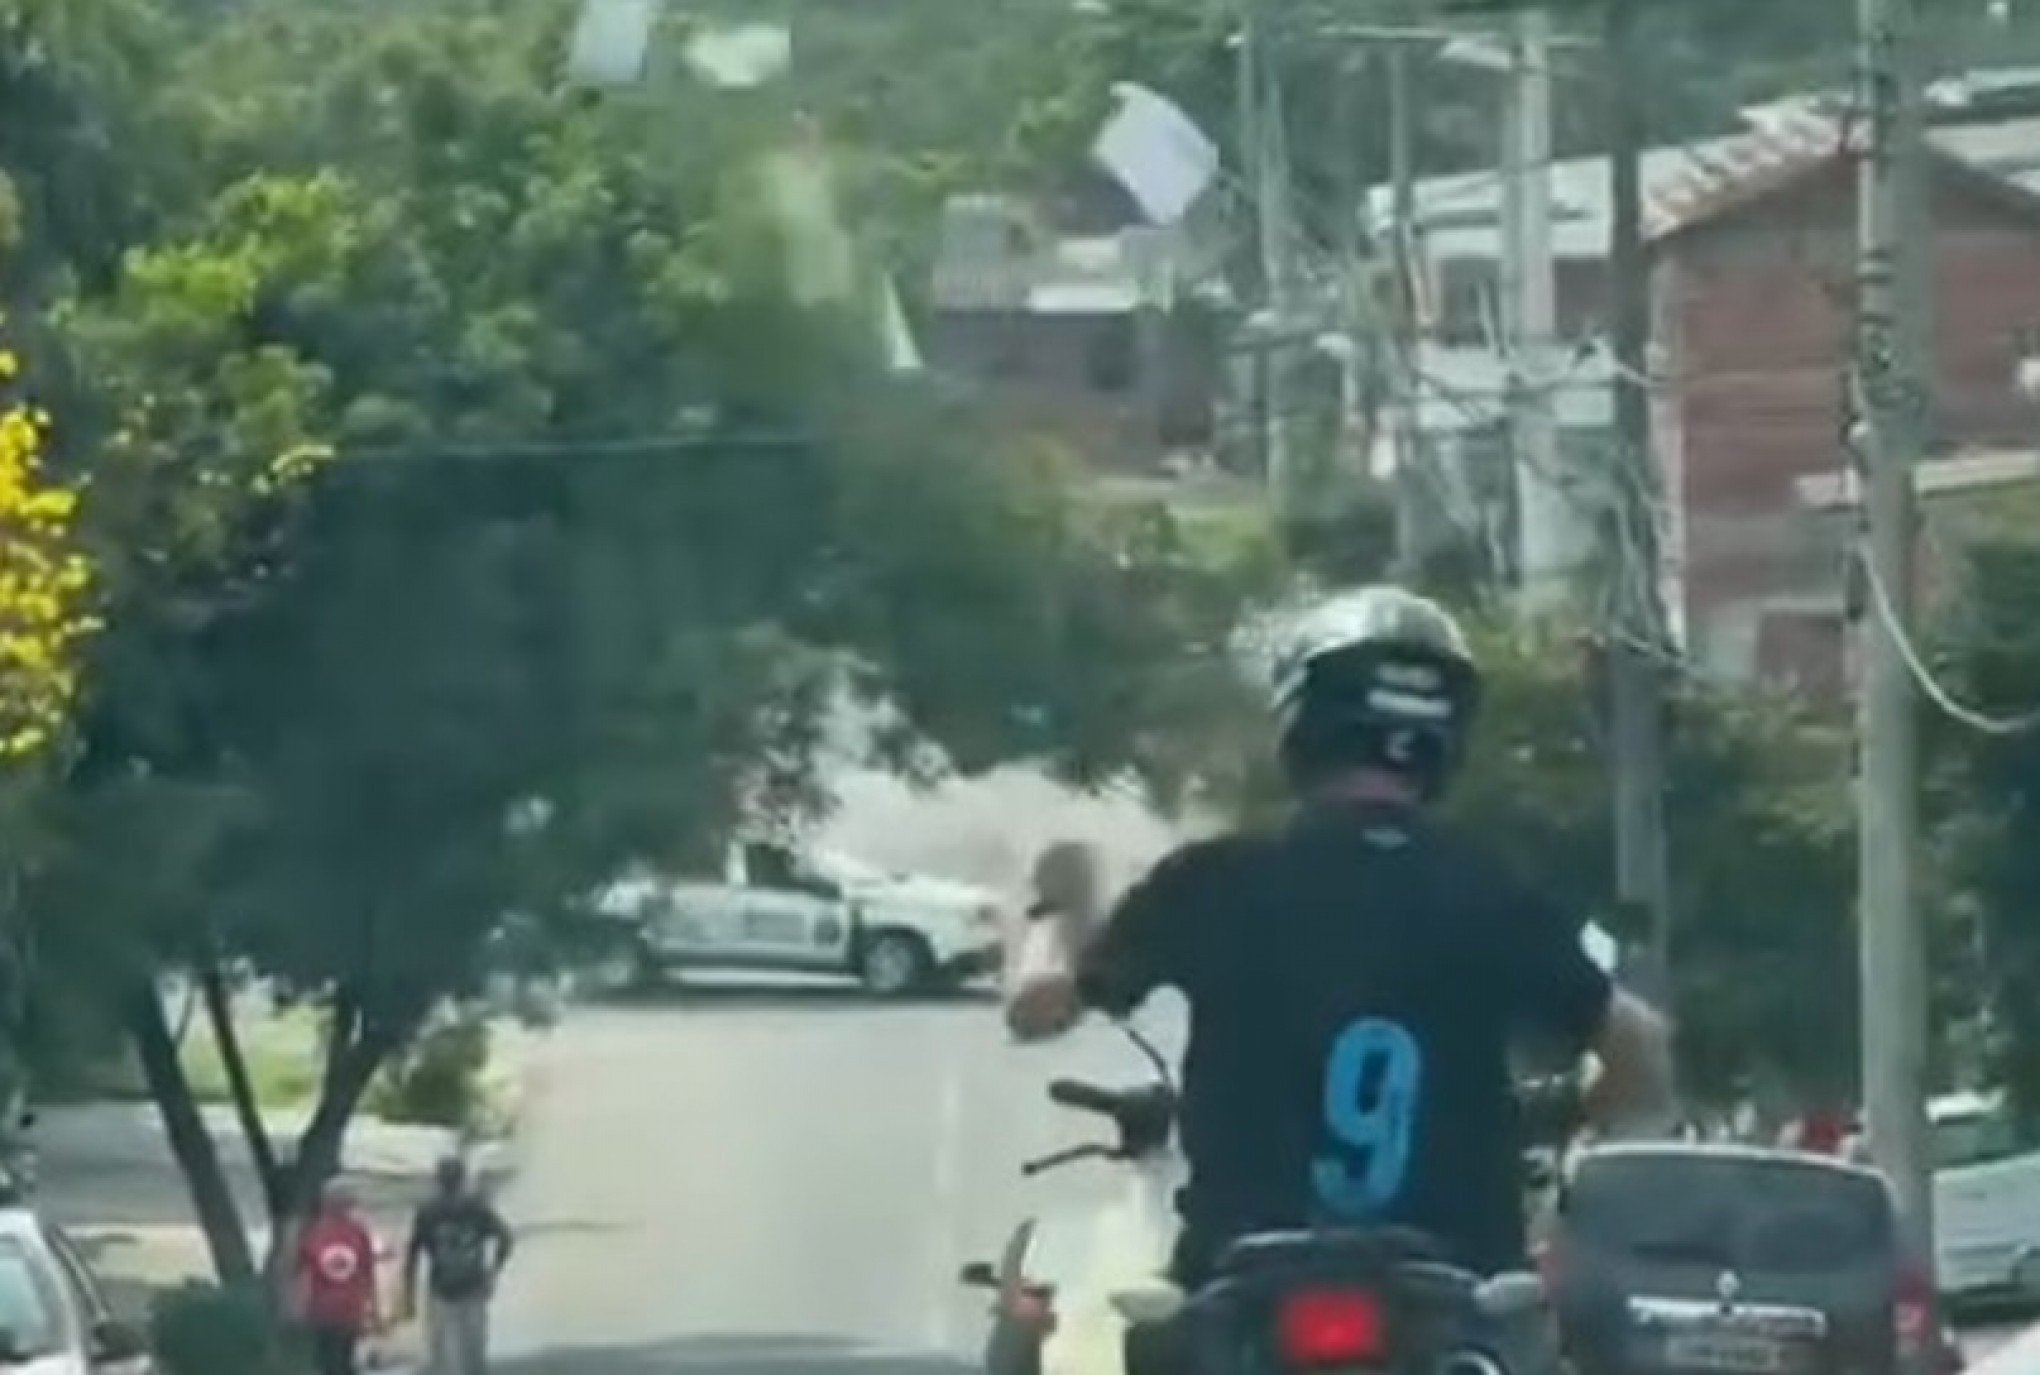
[1752, 327]
[1752, 237]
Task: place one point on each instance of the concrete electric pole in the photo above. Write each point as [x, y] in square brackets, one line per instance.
[1529, 309]
[1890, 414]
[1406, 379]
[1639, 638]
[1262, 138]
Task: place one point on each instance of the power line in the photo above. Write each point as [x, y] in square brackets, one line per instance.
[1887, 613]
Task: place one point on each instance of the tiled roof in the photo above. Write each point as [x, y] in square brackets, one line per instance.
[1688, 183]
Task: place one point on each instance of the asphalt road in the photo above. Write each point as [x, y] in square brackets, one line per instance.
[786, 1182]
[1982, 1338]
[779, 1183]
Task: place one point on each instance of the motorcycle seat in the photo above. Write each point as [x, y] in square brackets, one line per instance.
[1374, 1247]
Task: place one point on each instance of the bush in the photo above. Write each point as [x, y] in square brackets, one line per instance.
[204, 1329]
[439, 1082]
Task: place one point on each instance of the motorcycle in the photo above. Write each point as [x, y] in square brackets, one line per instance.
[1281, 1303]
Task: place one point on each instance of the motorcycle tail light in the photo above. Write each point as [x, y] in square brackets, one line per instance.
[1316, 1328]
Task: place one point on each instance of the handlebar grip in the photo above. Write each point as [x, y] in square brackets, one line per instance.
[1074, 1093]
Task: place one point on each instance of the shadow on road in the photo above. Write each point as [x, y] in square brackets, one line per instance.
[719, 997]
[563, 1227]
[738, 1354]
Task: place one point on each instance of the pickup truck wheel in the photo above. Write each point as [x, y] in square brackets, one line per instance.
[623, 969]
[895, 963]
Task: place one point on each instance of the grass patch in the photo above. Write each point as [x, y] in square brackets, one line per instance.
[282, 1051]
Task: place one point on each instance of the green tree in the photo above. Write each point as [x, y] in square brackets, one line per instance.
[1992, 805]
[477, 451]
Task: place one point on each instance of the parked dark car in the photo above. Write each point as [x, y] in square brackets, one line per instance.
[1691, 1259]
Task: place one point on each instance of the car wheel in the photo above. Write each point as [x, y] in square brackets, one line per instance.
[624, 969]
[895, 963]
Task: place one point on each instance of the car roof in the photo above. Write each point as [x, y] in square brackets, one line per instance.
[1723, 1150]
[19, 1223]
[1953, 1105]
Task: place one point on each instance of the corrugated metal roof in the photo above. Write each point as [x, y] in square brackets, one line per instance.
[1083, 298]
[994, 255]
[984, 251]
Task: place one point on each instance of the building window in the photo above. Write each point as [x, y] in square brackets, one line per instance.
[1467, 295]
[1108, 355]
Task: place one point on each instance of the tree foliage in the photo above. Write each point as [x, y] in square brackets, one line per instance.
[481, 503]
[1989, 809]
[43, 587]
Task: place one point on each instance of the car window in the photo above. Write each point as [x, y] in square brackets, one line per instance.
[769, 866]
[1976, 1139]
[32, 1321]
[1731, 1212]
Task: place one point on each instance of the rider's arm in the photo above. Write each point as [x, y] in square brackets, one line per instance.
[1564, 996]
[1070, 963]
[1634, 1048]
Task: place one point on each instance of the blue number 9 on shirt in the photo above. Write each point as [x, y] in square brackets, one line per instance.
[1372, 1079]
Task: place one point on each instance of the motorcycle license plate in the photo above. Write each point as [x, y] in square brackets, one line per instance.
[1733, 1353]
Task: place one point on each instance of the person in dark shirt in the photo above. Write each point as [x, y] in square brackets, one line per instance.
[1356, 978]
[462, 1244]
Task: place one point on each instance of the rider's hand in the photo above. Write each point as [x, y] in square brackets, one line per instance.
[1069, 879]
[1041, 1007]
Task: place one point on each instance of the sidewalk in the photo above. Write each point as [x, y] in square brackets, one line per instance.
[107, 1175]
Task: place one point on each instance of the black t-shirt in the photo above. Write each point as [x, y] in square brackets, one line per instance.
[1356, 983]
[463, 1240]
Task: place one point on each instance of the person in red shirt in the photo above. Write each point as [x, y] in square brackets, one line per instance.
[335, 1287]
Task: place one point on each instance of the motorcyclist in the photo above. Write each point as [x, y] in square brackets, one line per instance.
[1357, 977]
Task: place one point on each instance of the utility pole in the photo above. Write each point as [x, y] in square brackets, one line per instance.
[1350, 200]
[1261, 133]
[1404, 372]
[1639, 638]
[1888, 434]
[1529, 310]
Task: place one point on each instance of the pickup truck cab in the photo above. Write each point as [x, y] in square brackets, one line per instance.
[779, 909]
[1986, 1200]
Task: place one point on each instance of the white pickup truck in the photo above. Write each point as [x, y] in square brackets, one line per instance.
[778, 909]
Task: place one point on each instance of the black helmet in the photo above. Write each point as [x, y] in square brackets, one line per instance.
[1375, 678]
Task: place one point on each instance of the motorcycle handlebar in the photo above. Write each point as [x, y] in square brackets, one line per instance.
[1074, 1093]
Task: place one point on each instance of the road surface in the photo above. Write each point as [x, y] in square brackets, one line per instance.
[779, 1183]
[1983, 1338]
[785, 1182]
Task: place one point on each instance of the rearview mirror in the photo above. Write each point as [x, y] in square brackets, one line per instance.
[114, 1341]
